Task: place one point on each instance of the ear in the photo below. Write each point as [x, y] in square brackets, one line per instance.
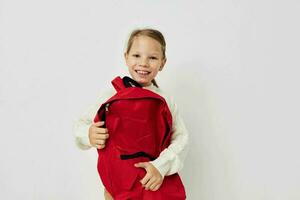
[125, 57]
[163, 64]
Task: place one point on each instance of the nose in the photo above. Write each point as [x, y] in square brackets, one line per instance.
[143, 62]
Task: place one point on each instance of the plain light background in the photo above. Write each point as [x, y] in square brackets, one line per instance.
[232, 68]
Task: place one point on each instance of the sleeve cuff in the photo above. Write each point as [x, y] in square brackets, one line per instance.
[83, 141]
[163, 162]
[162, 167]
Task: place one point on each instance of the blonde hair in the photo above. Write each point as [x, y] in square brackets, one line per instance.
[152, 33]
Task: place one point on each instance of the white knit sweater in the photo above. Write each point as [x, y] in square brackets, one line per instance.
[170, 159]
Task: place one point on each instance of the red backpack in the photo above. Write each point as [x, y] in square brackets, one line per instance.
[139, 124]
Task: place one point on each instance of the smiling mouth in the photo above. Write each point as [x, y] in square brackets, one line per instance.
[141, 72]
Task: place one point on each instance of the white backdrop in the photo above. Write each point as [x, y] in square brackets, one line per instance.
[232, 68]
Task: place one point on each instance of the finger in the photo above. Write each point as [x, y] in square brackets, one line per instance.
[153, 185]
[156, 187]
[100, 146]
[100, 142]
[141, 164]
[101, 136]
[151, 182]
[101, 130]
[100, 123]
[145, 179]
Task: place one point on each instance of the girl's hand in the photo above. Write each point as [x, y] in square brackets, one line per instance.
[153, 179]
[97, 135]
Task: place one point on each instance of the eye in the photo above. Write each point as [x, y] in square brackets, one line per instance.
[136, 55]
[154, 58]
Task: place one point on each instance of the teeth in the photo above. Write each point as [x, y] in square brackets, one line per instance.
[142, 72]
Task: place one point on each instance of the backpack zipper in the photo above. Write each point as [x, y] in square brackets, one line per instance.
[106, 107]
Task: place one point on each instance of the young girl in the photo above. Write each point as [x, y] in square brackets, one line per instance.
[145, 57]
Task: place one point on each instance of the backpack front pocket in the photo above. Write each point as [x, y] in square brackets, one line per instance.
[134, 136]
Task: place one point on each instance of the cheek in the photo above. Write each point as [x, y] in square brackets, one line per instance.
[130, 65]
[133, 63]
[155, 72]
[129, 61]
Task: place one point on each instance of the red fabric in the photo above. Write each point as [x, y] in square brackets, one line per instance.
[137, 120]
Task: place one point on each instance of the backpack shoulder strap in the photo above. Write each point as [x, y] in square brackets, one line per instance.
[118, 83]
[126, 82]
[129, 82]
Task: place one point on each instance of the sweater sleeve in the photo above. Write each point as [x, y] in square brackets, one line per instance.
[85, 120]
[81, 128]
[171, 159]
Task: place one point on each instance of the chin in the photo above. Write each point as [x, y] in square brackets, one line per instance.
[143, 83]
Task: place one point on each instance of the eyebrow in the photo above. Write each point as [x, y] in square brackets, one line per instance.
[152, 54]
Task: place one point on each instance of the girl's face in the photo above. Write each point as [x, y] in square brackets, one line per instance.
[144, 59]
